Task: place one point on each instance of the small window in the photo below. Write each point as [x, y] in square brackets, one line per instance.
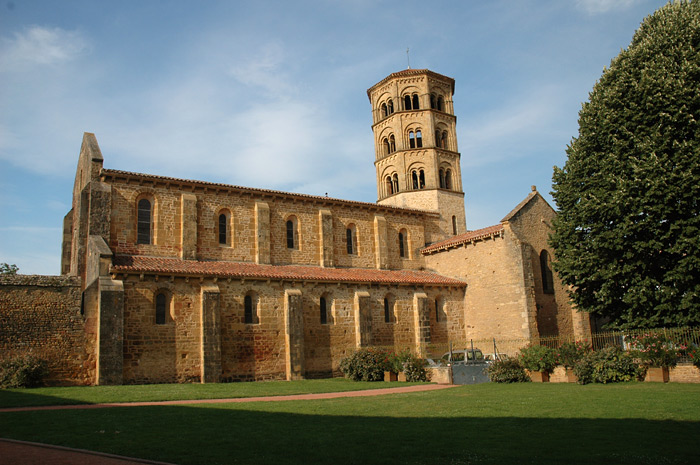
[250, 309]
[161, 307]
[224, 233]
[454, 225]
[143, 226]
[547, 276]
[438, 310]
[292, 233]
[421, 179]
[387, 311]
[324, 311]
[351, 240]
[403, 245]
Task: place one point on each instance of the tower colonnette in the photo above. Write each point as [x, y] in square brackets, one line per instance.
[415, 141]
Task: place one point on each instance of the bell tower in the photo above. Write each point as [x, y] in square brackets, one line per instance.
[415, 142]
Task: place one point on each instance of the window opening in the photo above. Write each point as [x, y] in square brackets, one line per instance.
[421, 179]
[443, 140]
[454, 225]
[223, 226]
[442, 178]
[419, 139]
[396, 183]
[324, 312]
[248, 314]
[402, 243]
[387, 311]
[384, 111]
[387, 147]
[392, 144]
[433, 102]
[441, 103]
[291, 243]
[414, 178]
[390, 106]
[350, 239]
[448, 179]
[143, 233]
[437, 310]
[547, 276]
[415, 102]
[411, 140]
[161, 302]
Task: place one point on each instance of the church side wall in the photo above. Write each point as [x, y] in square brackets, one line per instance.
[170, 352]
[167, 229]
[40, 315]
[495, 303]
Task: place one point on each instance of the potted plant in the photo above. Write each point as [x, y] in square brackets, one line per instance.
[657, 353]
[395, 366]
[539, 361]
[569, 354]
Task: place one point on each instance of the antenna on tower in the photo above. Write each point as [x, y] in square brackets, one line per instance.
[408, 59]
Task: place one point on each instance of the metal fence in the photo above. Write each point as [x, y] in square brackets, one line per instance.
[493, 347]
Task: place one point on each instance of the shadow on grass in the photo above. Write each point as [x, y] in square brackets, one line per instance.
[31, 398]
[260, 435]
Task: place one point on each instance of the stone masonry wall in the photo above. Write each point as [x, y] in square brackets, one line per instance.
[41, 315]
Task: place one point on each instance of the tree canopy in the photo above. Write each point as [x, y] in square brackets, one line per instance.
[8, 269]
[627, 238]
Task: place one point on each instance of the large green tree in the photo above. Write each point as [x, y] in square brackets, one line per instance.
[627, 237]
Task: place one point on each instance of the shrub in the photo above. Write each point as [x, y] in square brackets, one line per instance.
[507, 371]
[414, 369]
[23, 371]
[608, 365]
[655, 350]
[693, 353]
[538, 358]
[396, 361]
[571, 352]
[365, 365]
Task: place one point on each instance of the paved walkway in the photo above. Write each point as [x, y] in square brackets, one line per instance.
[29, 453]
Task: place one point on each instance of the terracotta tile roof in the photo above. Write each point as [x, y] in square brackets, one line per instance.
[470, 236]
[230, 187]
[411, 72]
[222, 269]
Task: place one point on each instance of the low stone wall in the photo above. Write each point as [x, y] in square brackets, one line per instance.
[684, 373]
[440, 375]
[41, 315]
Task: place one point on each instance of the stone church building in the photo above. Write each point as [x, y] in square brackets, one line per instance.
[175, 280]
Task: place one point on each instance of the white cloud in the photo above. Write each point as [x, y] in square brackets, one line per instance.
[603, 6]
[39, 45]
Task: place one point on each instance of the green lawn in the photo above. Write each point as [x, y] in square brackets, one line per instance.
[155, 392]
[635, 423]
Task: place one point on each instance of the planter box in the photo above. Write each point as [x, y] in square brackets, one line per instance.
[390, 376]
[570, 376]
[539, 376]
[657, 375]
[402, 376]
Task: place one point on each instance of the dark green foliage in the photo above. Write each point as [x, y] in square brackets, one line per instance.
[571, 352]
[538, 358]
[7, 269]
[23, 371]
[608, 365]
[627, 237]
[414, 369]
[365, 365]
[507, 371]
[693, 354]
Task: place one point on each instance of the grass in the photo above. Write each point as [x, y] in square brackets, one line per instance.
[640, 423]
[155, 392]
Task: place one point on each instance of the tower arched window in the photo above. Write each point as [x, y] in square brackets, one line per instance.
[411, 139]
[419, 139]
[443, 140]
[385, 112]
[144, 220]
[416, 106]
[421, 179]
[442, 178]
[403, 243]
[407, 102]
[395, 180]
[387, 147]
[448, 179]
[292, 228]
[392, 144]
[390, 106]
[389, 186]
[433, 101]
[161, 308]
[547, 276]
[414, 178]
[441, 103]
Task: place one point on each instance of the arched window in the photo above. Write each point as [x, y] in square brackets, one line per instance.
[161, 308]
[454, 225]
[419, 139]
[414, 178]
[390, 106]
[385, 113]
[442, 178]
[396, 183]
[448, 179]
[407, 102]
[411, 140]
[223, 229]
[389, 186]
[438, 310]
[388, 313]
[443, 140]
[351, 239]
[250, 308]
[143, 222]
[387, 147]
[441, 103]
[421, 179]
[547, 276]
[292, 228]
[392, 144]
[415, 102]
[433, 101]
[403, 244]
[324, 311]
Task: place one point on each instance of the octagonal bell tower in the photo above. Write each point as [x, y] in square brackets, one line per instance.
[415, 141]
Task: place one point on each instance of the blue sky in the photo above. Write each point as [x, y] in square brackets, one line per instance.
[272, 94]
